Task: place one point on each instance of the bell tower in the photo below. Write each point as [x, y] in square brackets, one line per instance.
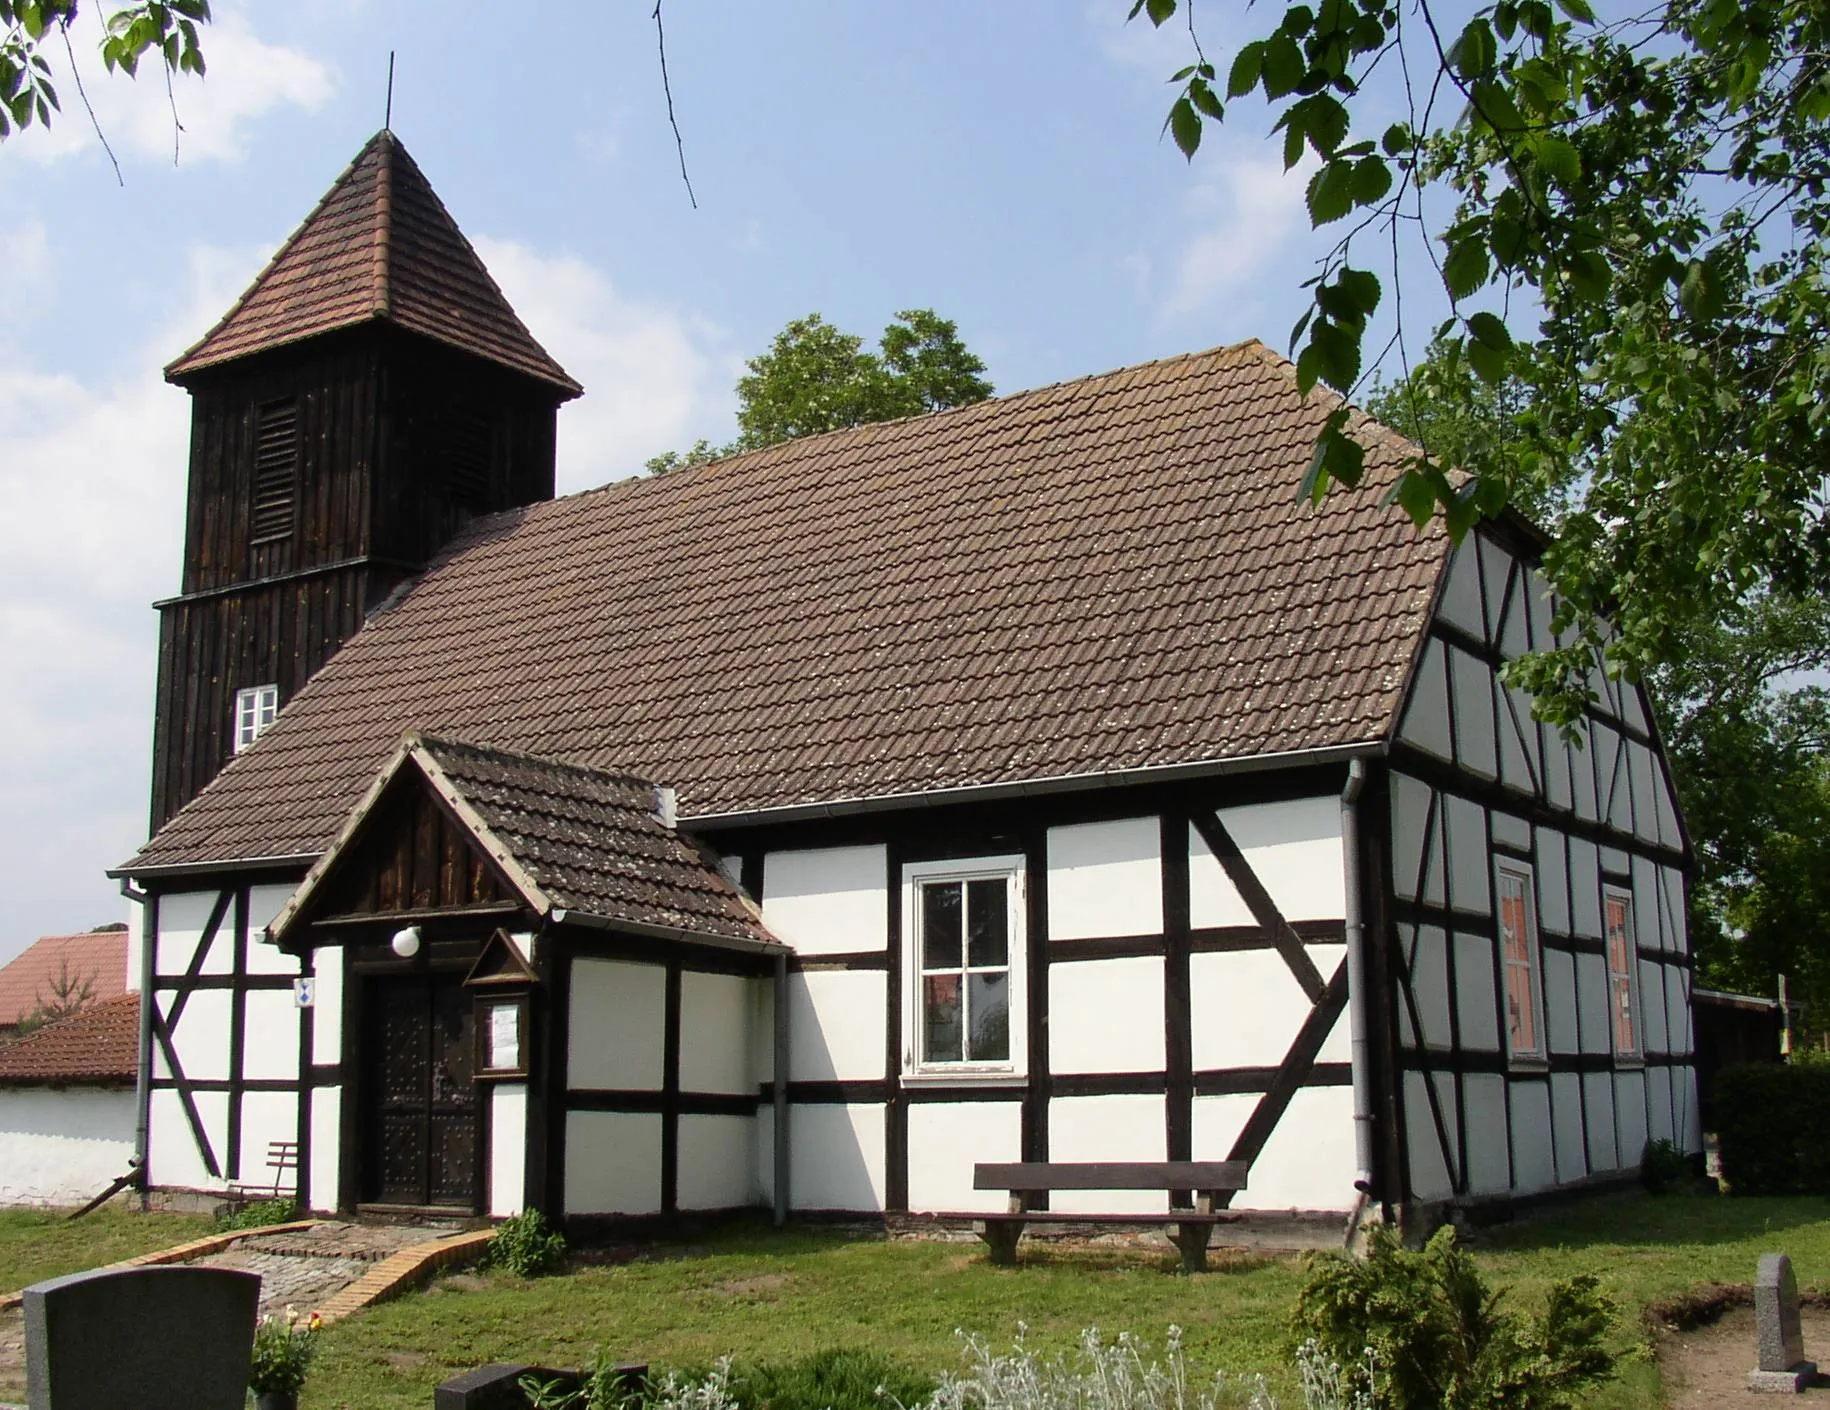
[370, 393]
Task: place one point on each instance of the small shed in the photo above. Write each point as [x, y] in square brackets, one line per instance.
[67, 1105]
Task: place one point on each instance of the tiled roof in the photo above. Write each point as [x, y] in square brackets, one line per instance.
[1104, 575]
[592, 842]
[99, 1044]
[32, 977]
[380, 245]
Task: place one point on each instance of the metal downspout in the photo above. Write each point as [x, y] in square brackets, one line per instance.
[1357, 995]
[780, 1086]
[148, 903]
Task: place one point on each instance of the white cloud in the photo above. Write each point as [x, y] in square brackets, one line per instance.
[246, 79]
[1251, 216]
[655, 378]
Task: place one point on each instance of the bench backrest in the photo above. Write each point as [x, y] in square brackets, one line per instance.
[1113, 1175]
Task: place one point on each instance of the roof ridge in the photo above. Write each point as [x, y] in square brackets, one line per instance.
[381, 274]
[445, 741]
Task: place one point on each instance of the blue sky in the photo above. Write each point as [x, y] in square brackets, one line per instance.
[998, 163]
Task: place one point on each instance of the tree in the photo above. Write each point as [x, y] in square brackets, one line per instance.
[816, 377]
[68, 993]
[168, 28]
[1627, 217]
[1745, 727]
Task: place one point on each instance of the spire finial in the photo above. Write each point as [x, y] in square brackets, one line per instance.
[387, 121]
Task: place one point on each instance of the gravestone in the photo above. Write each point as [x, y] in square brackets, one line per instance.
[497, 1387]
[151, 1338]
[1778, 1334]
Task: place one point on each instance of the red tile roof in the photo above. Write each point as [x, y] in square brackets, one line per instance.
[32, 977]
[99, 1045]
[1106, 575]
[379, 245]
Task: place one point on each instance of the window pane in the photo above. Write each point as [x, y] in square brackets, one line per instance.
[1521, 1017]
[1512, 919]
[942, 1027]
[1624, 1040]
[940, 925]
[987, 923]
[1620, 928]
[989, 1004]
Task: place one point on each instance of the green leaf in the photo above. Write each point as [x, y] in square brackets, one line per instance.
[1397, 140]
[1466, 268]
[1472, 55]
[1248, 67]
[1337, 349]
[1330, 194]
[1577, 10]
[1372, 178]
[1206, 99]
[1558, 158]
[1293, 146]
[1160, 11]
[1489, 363]
[1185, 126]
[1362, 287]
[1283, 66]
[1489, 331]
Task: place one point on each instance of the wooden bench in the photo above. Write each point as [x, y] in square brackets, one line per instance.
[1188, 1229]
[282, 1160]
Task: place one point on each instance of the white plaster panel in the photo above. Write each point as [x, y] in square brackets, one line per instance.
[1543, 606]
[1430, 987]
[831, 901]
[1672, 920]
[1308, 1162]
[1518, 754]
[714, 1162]
[201, 1036]
[1630, 1117]
[1105, 878]
[182, 917]
[1553, 882]
[326, 1135]
[265, 959]
[1466, 833]
[715, 1033]
[1557, 766]
[1107, 1015]
[946, 1140]
[1560, 1001]
[1534, 1165]
[327, 1005]
[1430, 1176]
[1678, 1031]
[1107, 1128]
[266, 1117]
[1592, 1004]
[1598, 1099]
[1410, 815]
[1474, 994]
[1659, 1123]
[1213, 900]
[1496, 568]
[1461, 594]
[136, 938]
[1566, 1123]
[1668, 831]
[264, 903]
[64, 1145]
[1645, 787]
[836, 1024]
[1650, 999]
[1684, 1098]
[1471, 684]
[173, 1158]
[1515, 639]
[613, 1162]
[1294, 849]
[507, 1148]
[732, 867]
[1582, 771]
[1513, 831]
[762, 1031]
[1648, 933]
[619, 1014]
[270, 1038]
[1615, 862]
[1585, 888]
[1426, 718]
[1247, 1009]
[1632, 707]
[762, 1157]
[835, 1156]
[1484, 1109]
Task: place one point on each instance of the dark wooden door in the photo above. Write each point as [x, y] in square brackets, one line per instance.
[424, 1110]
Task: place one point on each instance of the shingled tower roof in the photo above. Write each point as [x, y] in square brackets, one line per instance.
[380, 245]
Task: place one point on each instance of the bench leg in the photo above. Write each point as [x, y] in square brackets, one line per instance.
[1000, 1236]
[1191, 1241]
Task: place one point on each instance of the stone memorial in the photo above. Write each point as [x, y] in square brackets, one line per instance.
[498, 1386]
[150, 1338]
[1778, 1334]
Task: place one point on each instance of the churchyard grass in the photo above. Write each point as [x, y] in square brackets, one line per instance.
[36, 1244]
[761, 1296]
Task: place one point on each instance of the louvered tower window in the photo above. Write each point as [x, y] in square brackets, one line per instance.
[467, 445]
[276, 470]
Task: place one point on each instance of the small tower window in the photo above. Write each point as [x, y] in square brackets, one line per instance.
[467, 437]
[276, 470]
[255, 708]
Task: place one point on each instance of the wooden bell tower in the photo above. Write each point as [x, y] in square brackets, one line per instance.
[370, 393]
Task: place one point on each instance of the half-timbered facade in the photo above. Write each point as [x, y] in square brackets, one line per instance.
[1037, 780]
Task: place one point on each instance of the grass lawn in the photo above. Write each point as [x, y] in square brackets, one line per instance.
[758, 1295]
[38, 1244]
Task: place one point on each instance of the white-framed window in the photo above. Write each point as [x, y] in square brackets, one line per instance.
[964, 963]
[1519, 963]
[1623, 964]
[255, 708]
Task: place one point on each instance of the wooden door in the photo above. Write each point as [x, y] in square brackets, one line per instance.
[424, 1113]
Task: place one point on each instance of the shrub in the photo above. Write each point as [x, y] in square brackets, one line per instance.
[257, 1215]
[1663, 1167]
[832, 1379]
[524, 1245]
[1771, 1120]
[1423, 1332]
[282, 1353]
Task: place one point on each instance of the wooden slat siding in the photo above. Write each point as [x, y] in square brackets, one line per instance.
[1113, 1175]
[1258, 901]
[1293, 1071]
